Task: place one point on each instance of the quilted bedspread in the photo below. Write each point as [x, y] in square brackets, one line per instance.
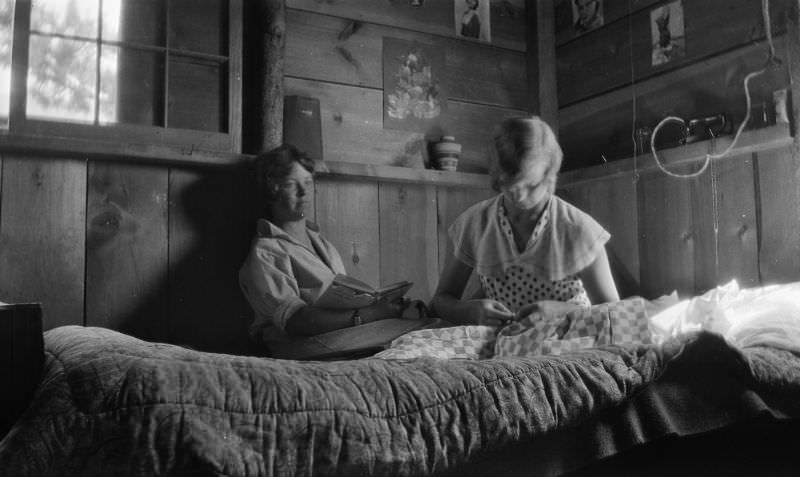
[110, 404]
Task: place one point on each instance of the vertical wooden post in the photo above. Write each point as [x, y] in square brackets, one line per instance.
[273, 40]
[541, 58]
[793, 53]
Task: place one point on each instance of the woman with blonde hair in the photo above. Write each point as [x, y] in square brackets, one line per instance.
[526, 245]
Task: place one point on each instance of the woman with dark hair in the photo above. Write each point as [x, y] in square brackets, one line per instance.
[526, 245]
[288, 265]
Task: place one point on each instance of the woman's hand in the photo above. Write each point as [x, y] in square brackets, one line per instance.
[414, 309]
[546, 308]
[487, 312]
[382, 311]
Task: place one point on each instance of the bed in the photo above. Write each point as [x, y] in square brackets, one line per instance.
[110, 404]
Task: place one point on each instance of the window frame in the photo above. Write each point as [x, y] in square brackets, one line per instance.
[230, 141]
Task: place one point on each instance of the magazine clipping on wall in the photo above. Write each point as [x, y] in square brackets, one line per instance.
[473, 19]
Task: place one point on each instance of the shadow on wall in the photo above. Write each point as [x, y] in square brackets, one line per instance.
[211, 224]
[627, 284]
[188, 290]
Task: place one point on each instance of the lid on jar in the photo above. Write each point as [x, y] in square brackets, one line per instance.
[448, 138]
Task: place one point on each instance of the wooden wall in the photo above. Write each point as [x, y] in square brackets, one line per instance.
[664, 233]
[153, 248]
[389, 230]
[147, 249]
[334, 53]
[607, 85]
[663, 228]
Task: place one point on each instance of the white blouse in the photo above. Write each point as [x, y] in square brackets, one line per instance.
[564, 241]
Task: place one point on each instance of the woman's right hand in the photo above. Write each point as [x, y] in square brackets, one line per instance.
[485, 311]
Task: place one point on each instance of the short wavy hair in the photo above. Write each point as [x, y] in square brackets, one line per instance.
[273, 166]
[521, 139]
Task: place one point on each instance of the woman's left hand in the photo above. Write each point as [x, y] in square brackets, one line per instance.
[545, 308]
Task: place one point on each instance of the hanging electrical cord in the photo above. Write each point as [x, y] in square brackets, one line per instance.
[633, 95]
[771, 60]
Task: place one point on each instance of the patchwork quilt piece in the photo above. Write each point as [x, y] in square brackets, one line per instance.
[541, 333]
[458, 342]
[620, 322]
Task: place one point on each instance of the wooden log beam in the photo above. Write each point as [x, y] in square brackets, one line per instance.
[541, 55]
[793, 54]
[273, 40]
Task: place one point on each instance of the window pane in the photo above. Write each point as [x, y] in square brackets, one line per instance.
[199, 25]
[134, 21]
[6, 35]
[131, 86]
[65, 17]
[61, 79]
[197, 94]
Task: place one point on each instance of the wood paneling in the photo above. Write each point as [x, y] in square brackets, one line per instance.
[352, 127]
[667, 238]
[541, 63]
[208, 236]
[408, 248]
[601, 60]
[596, 62]
[612, 11]
[435, 17]
[779, 231]
[605, 124]
[731, 252]
[451, 202]
[613, 203]
[353, 56]
[126, 249]
[347, 213]
[42, 236]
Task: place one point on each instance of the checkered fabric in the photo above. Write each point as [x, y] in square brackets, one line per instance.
[620, 322]
[458, 342]
[629, 323]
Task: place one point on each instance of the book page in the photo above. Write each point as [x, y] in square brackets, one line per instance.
[346, 292]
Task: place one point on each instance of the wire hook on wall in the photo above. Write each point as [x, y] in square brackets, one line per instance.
[772, 61]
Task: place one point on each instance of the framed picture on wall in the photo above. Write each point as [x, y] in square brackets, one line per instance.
[473, 19]
[586, 15]
[414, 96]
[667, 33]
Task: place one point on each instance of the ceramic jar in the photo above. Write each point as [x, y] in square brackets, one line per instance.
[446, 153]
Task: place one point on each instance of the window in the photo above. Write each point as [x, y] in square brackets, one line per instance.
[6, 32]
[163, 71]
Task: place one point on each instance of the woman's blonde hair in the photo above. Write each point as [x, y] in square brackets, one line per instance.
[521, 139]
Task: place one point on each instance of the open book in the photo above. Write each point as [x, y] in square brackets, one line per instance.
[348, 292]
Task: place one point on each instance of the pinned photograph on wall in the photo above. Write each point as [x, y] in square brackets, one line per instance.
[586, 15]
[472, 19]
[667, 32]
[413, 92]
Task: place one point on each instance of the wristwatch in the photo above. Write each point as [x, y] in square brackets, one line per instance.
[357, 321]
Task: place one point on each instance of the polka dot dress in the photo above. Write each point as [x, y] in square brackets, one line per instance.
[520, 287]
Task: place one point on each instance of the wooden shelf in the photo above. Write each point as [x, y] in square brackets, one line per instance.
[402, 174]
[189, 156]
[772, 137]
[106, 150]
